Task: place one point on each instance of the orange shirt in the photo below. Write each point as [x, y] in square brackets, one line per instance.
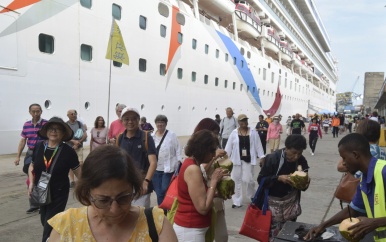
[269, 120]
[335, 122]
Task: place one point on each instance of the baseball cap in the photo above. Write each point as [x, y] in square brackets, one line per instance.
[129, 109]
[242, 117]
[269, 114]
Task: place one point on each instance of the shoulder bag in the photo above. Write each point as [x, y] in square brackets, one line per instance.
[172, 191]
[41, 192]
[347, 188]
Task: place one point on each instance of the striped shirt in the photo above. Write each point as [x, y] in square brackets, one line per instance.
[30, 132]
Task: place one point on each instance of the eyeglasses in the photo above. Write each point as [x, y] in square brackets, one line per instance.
[103, 203]
[54, 129]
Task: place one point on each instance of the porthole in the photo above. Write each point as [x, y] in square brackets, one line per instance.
[179, 108]
[206, 109]
[47, 104]
[87, 105]
[163, 10]
[142, 106]
[180, 19]
[163, 107]
[193, 108]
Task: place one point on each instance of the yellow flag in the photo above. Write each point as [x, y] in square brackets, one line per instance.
[116, 49]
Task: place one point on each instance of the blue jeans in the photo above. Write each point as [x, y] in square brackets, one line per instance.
[161, 181]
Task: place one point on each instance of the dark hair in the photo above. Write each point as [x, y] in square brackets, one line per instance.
[161, 118]
[207, 123]
[261, 116]
[102, 164]
[217, 115]
[200, 144]
[370, 129]
[375, 114]
[96, 122]
[355, 142]
[34, 104]
[296, 141]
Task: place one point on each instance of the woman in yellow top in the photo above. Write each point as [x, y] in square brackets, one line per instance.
[108, 184]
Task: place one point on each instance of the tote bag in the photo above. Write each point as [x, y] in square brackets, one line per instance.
[172, 191]
[257, 222]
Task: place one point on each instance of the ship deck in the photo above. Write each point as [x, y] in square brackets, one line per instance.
[317, 202]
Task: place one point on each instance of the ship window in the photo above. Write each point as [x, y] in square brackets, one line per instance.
[263, 92]
[226, 57]
[194, 44]
[268, 93]
[286, 74]
[116, 11]
[117, 64]
[162, 30]
[86, 52]
[179, 73]
[234, 85]
[142, 22]
[193, 76]
[180, 37]
[163, 10]
[242, 51]
[47, 104]
[279, 71]
[285, 82]
[142, 65]
[206, 49]
[216, 81]
[217, 53]
[206, 79]
[234, 60]
[180, 19]
[46, 43]
[226, 83]
[86, 3]
[248, 54]
[264, 74]
[269, 65]
[290, 84]
[259, 71]
[273, 77]
[241, 87]
[258, 91]
[162, 69]
[242, 63]
[279, 80]
[247, 88]
[253, 89]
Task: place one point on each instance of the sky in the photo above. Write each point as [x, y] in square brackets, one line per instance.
[357, 32]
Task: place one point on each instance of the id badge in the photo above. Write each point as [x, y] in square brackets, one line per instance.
[244, 152]
[44, 180]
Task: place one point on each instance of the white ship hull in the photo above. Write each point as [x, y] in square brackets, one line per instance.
[62, 81]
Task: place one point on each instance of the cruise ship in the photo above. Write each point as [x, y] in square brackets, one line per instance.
[188, 59]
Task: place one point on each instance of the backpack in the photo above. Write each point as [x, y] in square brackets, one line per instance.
[79, 132]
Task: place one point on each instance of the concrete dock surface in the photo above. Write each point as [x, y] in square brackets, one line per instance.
[317, 202]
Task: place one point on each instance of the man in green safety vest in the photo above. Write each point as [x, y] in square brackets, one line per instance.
[370, 196]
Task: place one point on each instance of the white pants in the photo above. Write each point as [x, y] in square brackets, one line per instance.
[143, 201]
[243, 173]
[190, 234]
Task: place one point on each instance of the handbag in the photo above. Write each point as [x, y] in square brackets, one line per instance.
[257, 222]
[172, 191]
[347, 188]
[41, 194]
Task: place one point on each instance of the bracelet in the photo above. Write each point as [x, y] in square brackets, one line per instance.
[147, 180]
[211, 188]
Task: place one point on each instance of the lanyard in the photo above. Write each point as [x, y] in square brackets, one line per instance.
[48, 163]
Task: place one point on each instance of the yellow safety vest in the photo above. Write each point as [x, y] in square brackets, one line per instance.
[379, 201]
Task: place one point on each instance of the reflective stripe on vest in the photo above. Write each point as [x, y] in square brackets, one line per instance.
[379, 201]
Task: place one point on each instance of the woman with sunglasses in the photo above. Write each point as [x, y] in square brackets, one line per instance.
[98, 133]
[108, 184]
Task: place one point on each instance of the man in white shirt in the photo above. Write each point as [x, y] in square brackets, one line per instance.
[227, 125]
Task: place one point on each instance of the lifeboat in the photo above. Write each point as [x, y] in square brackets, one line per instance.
[286, 51]
[304, 67]
[297, 61]
[247, 20]
[220, 8]
[271, 40]
[301, 54]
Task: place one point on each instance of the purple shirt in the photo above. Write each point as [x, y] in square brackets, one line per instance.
[367, 185]
[30, 132]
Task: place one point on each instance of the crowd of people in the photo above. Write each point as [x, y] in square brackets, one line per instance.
[130, 159]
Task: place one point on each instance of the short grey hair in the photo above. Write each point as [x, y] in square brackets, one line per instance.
[161, 118]
[119, 106]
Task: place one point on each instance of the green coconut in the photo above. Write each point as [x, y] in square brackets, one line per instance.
[226, 187]
[225, 163]
[345, 232]
[299, 179]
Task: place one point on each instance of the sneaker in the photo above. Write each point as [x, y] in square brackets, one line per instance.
[312, 153]
[72, 184]
[235, 206]
[32, 210]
